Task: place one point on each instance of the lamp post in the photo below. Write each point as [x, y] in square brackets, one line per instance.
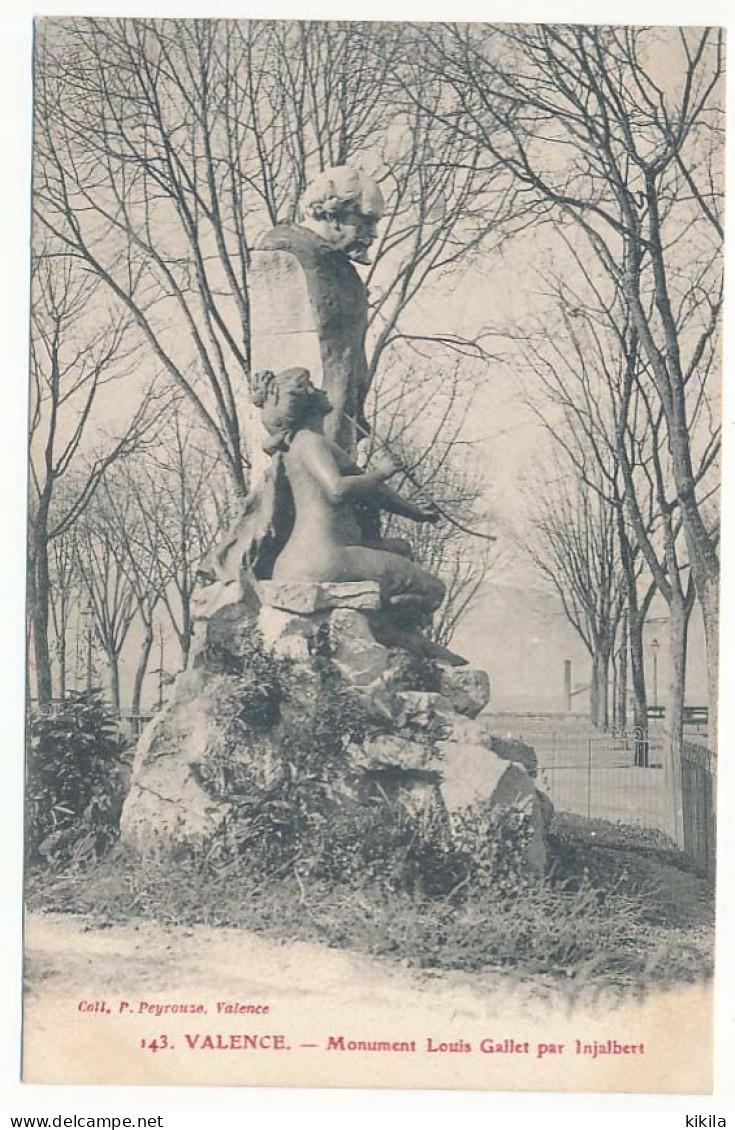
[655, 645]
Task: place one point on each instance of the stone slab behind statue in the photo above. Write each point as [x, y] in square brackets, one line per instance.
[285, 333]
[428, 748]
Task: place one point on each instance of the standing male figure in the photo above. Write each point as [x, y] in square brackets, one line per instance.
[338, 215]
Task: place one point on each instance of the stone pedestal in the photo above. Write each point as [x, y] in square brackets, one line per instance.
[467, 688]
[285, 333]
[299, 619]
[285, 324]
[309, 310]
[425, 749]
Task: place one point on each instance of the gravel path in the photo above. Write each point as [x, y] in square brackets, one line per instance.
[95, 995]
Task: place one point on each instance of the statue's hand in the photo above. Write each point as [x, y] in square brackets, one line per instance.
[429, 514]
[384, 467]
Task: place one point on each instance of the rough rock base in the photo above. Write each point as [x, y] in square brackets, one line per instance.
[425, 749]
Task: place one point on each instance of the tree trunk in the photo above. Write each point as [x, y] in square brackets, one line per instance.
[38, 596]
[141, 669]
[604, 690]
[89, 673]
[674, 731]
[621, 706]
[711, 615]
[113, 667]
[185, 636]
[62, 661]
[640, 701]
[706, 574]
[599, 705]
[671, 383]
[595, 693]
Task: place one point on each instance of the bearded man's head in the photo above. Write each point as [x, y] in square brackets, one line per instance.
[343, 206]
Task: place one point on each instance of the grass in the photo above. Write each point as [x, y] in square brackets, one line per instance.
[619, 912]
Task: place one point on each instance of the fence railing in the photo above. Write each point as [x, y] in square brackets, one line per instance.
[616, 777]
[624, 777]
[699, 796]
[693, 715]
[131, 722]
[134, 723]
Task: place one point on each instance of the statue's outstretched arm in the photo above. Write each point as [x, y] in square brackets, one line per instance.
[322, 465]
[385, 498]
[392, 502]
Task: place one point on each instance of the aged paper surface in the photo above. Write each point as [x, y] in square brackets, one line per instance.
[447, 1033]
[546, 401]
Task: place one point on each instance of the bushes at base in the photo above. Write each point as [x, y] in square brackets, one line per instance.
[587, 938]
[284, 767]
[76, 781]
[285, 764]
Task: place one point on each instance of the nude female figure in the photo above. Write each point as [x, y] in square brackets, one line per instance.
[326, 542]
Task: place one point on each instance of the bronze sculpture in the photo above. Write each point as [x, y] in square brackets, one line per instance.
[338, 215]
[327, 542]
[301, 523]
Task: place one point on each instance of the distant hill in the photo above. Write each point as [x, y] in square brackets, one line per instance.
[520, 635]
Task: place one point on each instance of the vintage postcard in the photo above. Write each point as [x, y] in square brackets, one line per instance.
[373, 554]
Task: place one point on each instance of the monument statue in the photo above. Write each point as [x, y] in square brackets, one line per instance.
[305, 576]
[305, 522]
[326, 542]
[310, 304]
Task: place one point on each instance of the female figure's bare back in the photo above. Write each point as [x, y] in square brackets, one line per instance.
[326, 543]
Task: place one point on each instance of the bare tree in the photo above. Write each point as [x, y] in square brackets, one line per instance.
[107, 586]
[186, 493]
[573, 544]
[422, 422]
[73, 357]
[165, 147]
[127, 179]
[598, 401]
[618, 131]
[442, 208]
[126, 515]
[463, 560]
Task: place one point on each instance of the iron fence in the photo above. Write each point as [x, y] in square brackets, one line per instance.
[625, 777]
[130, 722]
[616, 777]
[133, 723]
[699, 792]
